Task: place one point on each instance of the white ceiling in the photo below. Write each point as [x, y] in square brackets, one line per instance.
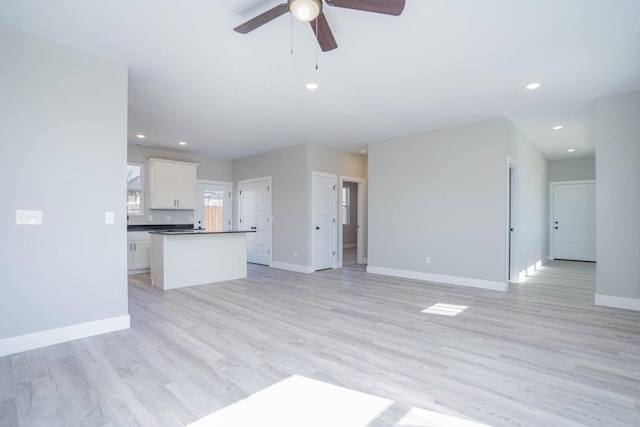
[441, 63]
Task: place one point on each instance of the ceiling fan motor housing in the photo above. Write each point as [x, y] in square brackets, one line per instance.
[305, 10]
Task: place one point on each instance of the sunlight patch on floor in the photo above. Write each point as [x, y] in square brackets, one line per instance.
[445, 309]
[418, 417]
[300, 401]
[530, 271]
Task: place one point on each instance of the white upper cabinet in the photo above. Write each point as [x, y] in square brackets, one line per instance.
[172, 184]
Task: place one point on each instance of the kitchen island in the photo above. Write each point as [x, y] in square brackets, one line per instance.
[188, 258]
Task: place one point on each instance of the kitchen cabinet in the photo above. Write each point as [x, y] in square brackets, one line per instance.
[138, 252]
[172, 184]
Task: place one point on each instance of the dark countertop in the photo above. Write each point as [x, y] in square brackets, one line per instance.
[159, 227]
[187, 232]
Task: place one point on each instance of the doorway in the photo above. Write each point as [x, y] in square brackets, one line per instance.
[351, 233]
[213, 207]
[254, 214]
[573, 220]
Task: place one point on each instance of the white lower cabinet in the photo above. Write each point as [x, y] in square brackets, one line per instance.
[138, 251]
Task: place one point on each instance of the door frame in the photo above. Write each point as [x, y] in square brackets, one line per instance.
[512, 240]
[270, 216]
[210, 182]
[552, 189]
[334, 233]
[361, 226]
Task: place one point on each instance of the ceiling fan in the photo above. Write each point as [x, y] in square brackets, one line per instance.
[311, 11]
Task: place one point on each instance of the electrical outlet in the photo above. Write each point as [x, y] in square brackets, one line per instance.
[295, 253]
[150, 218]
[168, 217]
[428, 260]
[109, 217]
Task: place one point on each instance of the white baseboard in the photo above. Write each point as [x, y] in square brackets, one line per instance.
[618, 302]
[68, 333]
[349, 245]
[439, 278]
[292, 267]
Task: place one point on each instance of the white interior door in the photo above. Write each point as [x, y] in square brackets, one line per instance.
[324, 215]
[255, 214]
[213, 206]
[574, 221]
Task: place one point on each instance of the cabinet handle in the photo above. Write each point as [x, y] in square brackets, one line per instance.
[135, 246]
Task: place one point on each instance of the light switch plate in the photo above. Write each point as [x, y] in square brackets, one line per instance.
[28, 217]
[109, 217]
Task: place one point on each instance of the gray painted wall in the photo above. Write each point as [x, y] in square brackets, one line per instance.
[618, 198]
[442, 194]
[533, 201]
[290, 206]
[582, 168]
[290, 169]
[208, 168]
[64, 132]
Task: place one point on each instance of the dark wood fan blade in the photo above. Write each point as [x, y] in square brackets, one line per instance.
[262, 19]
[388, 7]
[324, 34]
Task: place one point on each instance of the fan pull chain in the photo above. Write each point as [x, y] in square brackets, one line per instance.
[291, 33]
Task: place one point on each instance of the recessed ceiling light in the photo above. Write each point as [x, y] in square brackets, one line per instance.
[552, 154]
[182, 143]
[557, 127]
[363, 151]
[571, 150]
[532, 86]
[312, 86]
[140, 136]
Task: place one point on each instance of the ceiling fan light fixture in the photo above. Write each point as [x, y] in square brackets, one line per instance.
[305, 10]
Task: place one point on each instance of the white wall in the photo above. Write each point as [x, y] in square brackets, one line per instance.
[582, 168]
[64, 130]
[442, 194]
[209, 168]
[618, 200]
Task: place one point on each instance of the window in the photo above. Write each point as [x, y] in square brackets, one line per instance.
[134, 188]
[346, 205]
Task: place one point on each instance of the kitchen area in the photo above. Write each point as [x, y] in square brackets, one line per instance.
[169, 234]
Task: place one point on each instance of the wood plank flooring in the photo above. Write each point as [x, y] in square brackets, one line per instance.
[540, 354]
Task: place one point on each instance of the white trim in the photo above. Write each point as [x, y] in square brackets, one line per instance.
[618, 302]
[552, 189]
[361, 224]
[60, 335]
[439, 278]
[292, 267]
[512, 261]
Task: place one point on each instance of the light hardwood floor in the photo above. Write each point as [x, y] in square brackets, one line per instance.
[540, 354]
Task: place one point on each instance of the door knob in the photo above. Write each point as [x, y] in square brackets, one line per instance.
[317, 228]
[555, 228]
